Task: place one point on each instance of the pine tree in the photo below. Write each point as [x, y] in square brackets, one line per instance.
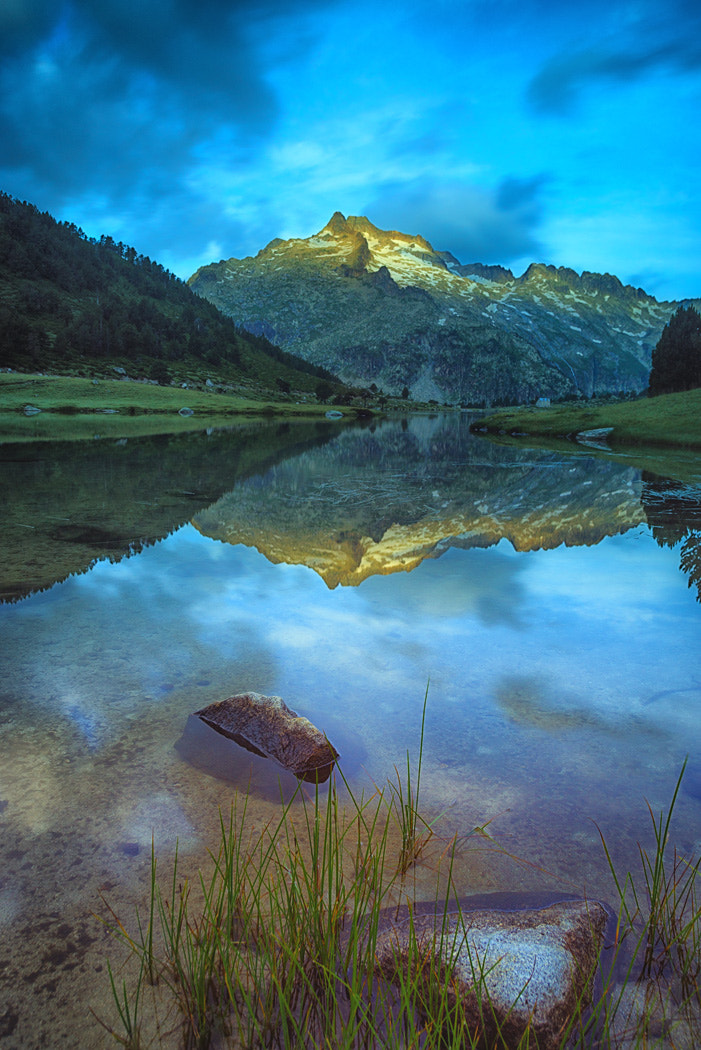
[676, 360]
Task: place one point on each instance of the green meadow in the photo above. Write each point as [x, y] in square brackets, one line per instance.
[670, 419]
[77, 407]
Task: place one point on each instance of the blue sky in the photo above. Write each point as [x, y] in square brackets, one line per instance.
[505, 132]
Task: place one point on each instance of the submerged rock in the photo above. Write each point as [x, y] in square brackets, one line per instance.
[266, 726]
[512, 971]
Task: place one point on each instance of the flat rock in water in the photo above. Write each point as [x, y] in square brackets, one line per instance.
[266, 726]
[597, 438]
[534, 969]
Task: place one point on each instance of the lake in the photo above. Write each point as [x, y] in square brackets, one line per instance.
[548, 601]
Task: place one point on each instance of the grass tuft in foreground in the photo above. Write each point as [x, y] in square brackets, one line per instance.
[660, 919]
[276, 946]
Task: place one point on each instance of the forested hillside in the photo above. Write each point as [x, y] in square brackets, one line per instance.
[78, 305]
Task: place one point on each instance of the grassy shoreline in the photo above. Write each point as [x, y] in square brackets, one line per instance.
[76, 407]
[667, 420]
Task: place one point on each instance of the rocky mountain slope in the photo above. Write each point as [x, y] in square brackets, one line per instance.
[384, 307]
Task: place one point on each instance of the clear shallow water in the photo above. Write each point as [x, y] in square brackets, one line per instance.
[565, 683]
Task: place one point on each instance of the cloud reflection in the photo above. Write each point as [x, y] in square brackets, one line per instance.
[487, 585]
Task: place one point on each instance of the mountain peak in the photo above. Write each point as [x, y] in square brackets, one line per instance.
[353, 225]
[337, 223]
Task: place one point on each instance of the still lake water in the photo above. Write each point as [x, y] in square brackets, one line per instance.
[547, 596]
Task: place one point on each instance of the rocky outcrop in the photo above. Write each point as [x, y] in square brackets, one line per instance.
[597, 438]
[511, 972]
[266, 726]
[496, 274]
[359, 255]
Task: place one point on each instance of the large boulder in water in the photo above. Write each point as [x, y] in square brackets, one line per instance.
[511, 972]
[266, 726]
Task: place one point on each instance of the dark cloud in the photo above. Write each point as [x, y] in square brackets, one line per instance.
[23, 22]
[119, 98]
[656, 39]
[475, 224]
[203, 52]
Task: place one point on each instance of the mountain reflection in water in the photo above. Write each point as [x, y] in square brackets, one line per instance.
[364, 502]
[380, 502]
[545, 604]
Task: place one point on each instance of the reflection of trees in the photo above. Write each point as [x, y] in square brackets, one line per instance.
[673, 512]
[690, 561]
[68, 504]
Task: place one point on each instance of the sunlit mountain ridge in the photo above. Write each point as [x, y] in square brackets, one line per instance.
[384, 307]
